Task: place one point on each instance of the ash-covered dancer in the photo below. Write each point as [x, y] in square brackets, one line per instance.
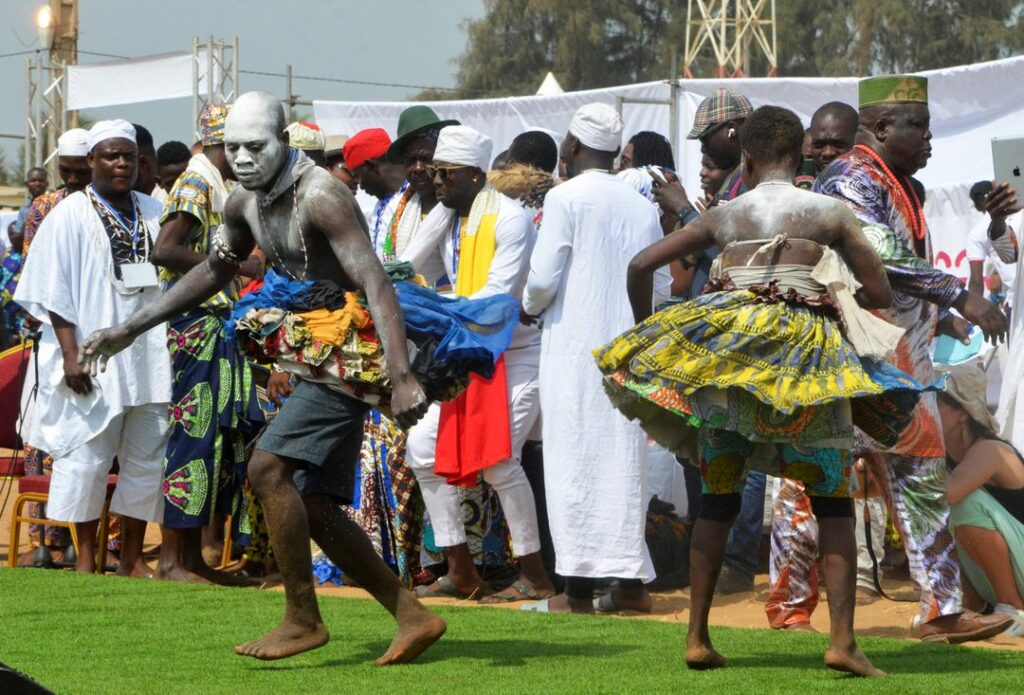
[309, 226]
[765, 371]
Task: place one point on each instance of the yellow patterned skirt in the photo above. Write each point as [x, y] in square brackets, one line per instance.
[771, 367]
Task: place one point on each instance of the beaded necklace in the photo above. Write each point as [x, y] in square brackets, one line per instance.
[392, 237]
[906, 197]
[298, 227]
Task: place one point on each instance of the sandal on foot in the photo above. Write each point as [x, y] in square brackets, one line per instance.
[543, 606]
[526, 593]
[605, 603]
[445, 589]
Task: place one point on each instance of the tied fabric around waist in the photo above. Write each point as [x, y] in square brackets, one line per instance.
[454, 338]
[871, 336]
[474, 431]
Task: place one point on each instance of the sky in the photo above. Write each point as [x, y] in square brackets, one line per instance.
[396, 41]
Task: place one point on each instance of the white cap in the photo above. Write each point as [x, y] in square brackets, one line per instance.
[460, 144]
[105, 130]
[73, 143]
[597, 126]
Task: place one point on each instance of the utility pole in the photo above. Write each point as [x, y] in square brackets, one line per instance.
[730, 28]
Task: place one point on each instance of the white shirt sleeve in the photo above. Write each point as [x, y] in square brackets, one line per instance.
[662, 276]
[513, 242]
[550, 255]
[425, 250]
[978, 244]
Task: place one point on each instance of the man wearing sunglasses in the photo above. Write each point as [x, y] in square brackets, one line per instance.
[482, 241]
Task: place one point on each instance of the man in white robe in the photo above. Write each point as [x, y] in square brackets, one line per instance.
[499, 265]
[90, 269]
[594, 457]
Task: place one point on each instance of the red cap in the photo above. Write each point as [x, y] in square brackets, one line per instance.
[371, 143]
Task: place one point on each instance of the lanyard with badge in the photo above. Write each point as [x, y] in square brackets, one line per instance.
[456, 248]
[137, 272]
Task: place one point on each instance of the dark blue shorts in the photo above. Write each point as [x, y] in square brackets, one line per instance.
[322, 430]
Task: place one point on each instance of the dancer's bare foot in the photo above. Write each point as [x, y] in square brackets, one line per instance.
[287, 639]
[415, 634]
[703, 657]
[139, 570]
[851, 661]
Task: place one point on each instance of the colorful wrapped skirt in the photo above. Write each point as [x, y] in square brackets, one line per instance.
[770, 367]
[320, 332]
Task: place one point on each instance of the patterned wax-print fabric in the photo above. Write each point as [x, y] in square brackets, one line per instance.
[213, 412]
[191, 195]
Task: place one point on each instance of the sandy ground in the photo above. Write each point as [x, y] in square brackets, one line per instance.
[882, 618]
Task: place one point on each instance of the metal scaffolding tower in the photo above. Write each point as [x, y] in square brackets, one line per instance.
[45, 117]
[214, 75]
[732, 29]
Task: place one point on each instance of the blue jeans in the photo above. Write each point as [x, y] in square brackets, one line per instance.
[744, 544]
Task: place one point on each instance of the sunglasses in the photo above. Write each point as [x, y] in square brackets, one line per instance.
[444, 172]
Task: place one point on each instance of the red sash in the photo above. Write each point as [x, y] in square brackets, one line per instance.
[474, 431]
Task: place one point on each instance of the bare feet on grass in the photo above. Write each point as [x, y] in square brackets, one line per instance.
[287, 639]
[703, 657]
[416, 633]
[139, 570]
[851, 661]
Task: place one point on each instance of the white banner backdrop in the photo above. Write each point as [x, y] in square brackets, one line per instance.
[166, 76]
[969, 105]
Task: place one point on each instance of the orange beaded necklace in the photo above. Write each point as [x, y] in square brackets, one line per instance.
[907, 201]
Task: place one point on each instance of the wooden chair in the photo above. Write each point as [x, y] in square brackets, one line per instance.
[36, 488]
[32, 488]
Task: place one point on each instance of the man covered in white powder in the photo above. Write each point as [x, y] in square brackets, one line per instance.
[594, 477]
[91, 268]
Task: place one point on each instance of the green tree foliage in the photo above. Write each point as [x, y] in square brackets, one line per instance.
[862, 37]
[598, 43]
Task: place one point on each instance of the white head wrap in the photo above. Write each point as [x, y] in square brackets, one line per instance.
[105, 130]
[73, 143]
[597, 126]
[460, 144]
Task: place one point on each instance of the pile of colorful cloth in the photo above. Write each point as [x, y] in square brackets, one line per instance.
[321, 332]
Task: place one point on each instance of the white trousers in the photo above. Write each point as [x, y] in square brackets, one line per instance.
[138, 438]
[507, 477]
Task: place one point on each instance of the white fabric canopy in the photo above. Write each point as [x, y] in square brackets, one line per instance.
[969, 105]
[152, 78]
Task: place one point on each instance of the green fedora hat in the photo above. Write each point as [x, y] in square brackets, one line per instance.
[411, 122]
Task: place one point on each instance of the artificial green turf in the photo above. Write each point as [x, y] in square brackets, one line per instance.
[89, 634]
